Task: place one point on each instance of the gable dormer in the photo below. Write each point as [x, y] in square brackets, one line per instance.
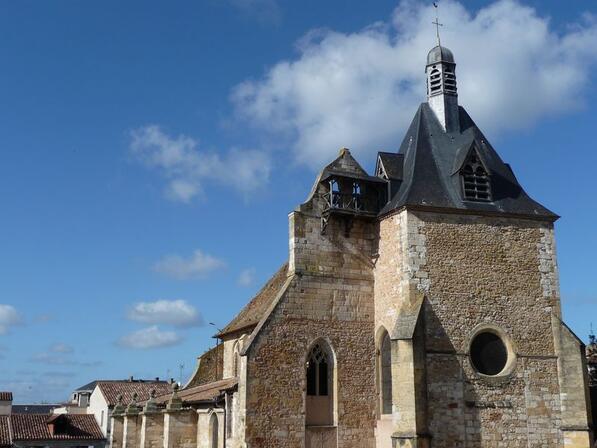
[475, 177]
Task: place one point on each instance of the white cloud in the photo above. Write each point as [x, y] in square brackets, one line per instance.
[246, 277]
[9, 317]
[61, 348]
[172, 312]
[186, 168]
[362, 89]
[197, 265]
[151, 337]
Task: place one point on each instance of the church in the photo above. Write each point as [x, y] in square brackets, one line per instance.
[419, 307]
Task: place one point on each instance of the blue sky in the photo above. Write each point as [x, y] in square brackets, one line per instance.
[152, 151]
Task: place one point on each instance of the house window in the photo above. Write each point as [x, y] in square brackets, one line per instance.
[319, 385]
[102, 419]
[475, 180]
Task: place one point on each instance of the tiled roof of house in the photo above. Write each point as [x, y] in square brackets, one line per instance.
[112, 389]
[35, 427]
[205, 392]
[210, 367]
[5, 396]
[4, 432]
[252, 313]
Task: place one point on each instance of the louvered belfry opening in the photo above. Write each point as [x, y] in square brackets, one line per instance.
[475, 180]
[449, 79]
[435, 81]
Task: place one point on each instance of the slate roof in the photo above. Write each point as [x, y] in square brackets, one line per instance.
[392, 164]
[346, 165]
[5, 396]
[87, 387]
[203, 393]
[5, 441]
[112, 389]
[252, 313]
[34, 427]
[34, 408]
[440, 54]
[431, 177]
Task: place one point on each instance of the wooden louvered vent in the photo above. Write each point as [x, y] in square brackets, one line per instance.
[475, 180]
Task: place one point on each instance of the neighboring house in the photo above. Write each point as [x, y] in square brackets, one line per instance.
[106, 393]
[50, 430]
[419, 307]
[5, 403]
[80, 397]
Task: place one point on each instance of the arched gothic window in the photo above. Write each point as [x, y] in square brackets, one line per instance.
[319, 374]
[385, 373]
[214, 430]
[475, 181]
[236, 360]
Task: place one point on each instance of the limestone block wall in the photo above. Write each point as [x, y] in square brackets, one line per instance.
[331, 297]
[477, 271]
[131, 432]
[116, 431]
[152, 430]
[180, 428]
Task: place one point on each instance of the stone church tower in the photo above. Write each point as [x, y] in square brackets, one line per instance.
[419, 308]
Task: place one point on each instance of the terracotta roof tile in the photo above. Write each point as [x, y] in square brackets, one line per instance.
[5, 396]
[252, 313]
[4, 432]
[27, 427]
[112, 389]
[205, 392]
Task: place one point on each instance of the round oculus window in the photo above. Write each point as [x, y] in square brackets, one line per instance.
[489, 354]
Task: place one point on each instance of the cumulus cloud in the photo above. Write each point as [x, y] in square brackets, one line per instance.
[9, 317]
[197, 265]
[246, 277]
[178, 313]
[186, 168]
[362, 89]
[150, 337]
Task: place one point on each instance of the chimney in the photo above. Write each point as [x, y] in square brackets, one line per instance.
[5, 403]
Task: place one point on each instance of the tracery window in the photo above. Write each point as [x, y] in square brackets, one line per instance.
[320, 393]
[317, 372]
[475, 180]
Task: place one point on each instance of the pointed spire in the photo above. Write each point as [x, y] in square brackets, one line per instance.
[437, 24]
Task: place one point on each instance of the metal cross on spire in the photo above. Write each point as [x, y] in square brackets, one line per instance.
[437, 24]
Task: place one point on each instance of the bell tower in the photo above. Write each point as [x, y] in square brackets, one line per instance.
[442, 93]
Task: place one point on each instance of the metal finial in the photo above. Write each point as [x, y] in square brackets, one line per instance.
[437, 23]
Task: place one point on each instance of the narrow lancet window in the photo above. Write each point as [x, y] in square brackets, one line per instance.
[385, 367]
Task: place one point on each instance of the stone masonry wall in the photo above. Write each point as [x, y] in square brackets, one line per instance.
[331, 297]
[476, 271]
